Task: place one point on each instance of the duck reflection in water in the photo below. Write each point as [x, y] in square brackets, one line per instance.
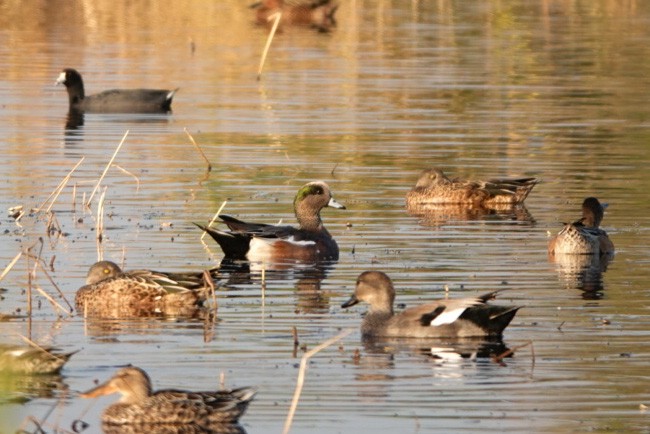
[583, 272]
[307, 280]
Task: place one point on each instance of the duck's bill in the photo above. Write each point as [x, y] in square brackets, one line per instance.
[60, 79]
[101, 390]
[351, 302]
[335, 204]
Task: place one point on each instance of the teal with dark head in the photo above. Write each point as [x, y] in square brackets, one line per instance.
[584, 236]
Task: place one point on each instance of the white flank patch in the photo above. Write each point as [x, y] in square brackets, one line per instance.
[261, 249]
[447, 317]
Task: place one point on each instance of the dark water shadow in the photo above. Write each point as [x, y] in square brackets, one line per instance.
[583, 272]
[437, 215]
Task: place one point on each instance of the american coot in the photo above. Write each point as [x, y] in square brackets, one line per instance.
[115, 100]
[259, 242]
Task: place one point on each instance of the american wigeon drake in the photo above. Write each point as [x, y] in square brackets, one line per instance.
[140, 405]
[435, 188]
[115, 100]
[259, 242]
[108, 287]
[32, 360]
[318, 14]
[584, 236]
[458, 318]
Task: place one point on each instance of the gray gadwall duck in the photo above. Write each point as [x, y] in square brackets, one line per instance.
[584, 236]
[32, 360]
[259, 242]
[435, 188]
[108, 288]
[318, 14]
[457, 318]
[115, 100]
[140, 405]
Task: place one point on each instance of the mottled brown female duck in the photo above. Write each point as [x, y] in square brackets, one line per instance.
[318, 14]
[32, 360]
[140, 405]
[264, 243]
[459, 318]
[584, 236]
[434, 188]
[109, 289]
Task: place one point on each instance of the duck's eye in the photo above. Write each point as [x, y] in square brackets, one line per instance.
[107, 271]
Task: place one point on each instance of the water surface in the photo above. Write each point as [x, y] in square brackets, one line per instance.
[507, 88]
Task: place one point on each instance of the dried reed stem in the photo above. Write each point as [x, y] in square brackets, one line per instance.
[59, 187]
[198, 148]
[499, 358]
[214, 217]
[301, 375]
[55, 286]
[100, 225]
[101, 178]
[207, 280]
[10, 266]
[275, 16]
[137, 180]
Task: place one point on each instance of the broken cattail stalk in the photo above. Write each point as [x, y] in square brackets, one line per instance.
[499, 358]
[198, 148]
[59, 187]
[101, 178]
[55, 285]
[215, 217]
[301, 375]
[10, 266]
[207, 280]
[276, 17]
[137, 180]
[74, 198]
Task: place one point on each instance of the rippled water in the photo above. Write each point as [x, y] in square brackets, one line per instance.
[506, 88]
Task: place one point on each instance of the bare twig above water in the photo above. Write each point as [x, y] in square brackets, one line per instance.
[57, 191]
[499, 358]
[10, 266]
[137, 180]
[276, 17]
[101, 178]
[198, 148]
[214, 218]
[301, 375]
[100, 225]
